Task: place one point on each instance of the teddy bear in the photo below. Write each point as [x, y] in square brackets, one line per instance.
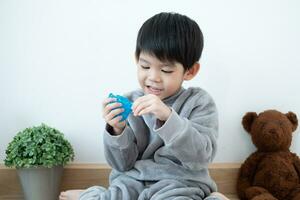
[272, 172]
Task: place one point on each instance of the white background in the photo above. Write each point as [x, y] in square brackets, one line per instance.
[60, 58]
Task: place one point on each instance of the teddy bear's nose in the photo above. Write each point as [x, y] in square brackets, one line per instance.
[272, 130]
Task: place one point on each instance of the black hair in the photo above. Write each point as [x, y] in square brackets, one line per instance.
[171, 37]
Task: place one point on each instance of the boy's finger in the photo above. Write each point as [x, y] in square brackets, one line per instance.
[138, 101]
[113, 113]
[108, 100]
[115, 121]
[141, 107]
[110, 107]
[145, 111]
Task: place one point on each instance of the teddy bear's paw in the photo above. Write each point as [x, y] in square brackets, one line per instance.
[297, 197]
[254, 191]
[265, 196]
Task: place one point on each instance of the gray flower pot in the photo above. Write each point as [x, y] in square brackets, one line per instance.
[40, 183]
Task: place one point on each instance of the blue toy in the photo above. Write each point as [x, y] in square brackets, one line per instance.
[126, 105]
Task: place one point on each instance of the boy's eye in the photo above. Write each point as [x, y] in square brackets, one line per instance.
[144, 67]
[165, 71]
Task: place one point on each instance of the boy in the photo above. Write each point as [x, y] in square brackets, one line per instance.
[162, 151]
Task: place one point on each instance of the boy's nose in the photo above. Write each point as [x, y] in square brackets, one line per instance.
[154, 76]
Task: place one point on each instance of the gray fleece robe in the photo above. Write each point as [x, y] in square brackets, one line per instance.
[156, 160]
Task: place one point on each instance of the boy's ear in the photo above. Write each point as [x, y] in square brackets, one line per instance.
[192, 72]
[135, 59]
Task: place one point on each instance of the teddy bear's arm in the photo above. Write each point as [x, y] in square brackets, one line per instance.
[296, 163]
[246, 173]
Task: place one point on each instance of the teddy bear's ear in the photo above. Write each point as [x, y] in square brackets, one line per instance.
[293, 119]
[248, 119]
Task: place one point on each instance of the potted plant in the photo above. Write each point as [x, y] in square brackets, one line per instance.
[39, 154]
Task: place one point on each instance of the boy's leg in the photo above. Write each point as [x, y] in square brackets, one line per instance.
[122, 187]
[170, 189]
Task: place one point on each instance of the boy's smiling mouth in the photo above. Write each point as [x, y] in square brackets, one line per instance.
[153, 90]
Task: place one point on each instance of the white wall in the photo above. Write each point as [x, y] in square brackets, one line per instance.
[59, 59]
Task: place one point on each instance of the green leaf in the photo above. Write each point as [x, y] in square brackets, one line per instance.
[36, 146]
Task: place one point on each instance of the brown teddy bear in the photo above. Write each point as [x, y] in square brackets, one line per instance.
[272, 172]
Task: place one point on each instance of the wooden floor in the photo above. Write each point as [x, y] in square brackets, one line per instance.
[78, 176]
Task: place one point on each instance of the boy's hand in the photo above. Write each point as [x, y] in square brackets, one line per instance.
[109, 112]
[151, 104]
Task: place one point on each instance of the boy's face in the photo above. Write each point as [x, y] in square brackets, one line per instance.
[162, 79]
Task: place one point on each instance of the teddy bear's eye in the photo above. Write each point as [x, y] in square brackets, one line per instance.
[281, 123]
[262, 124]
